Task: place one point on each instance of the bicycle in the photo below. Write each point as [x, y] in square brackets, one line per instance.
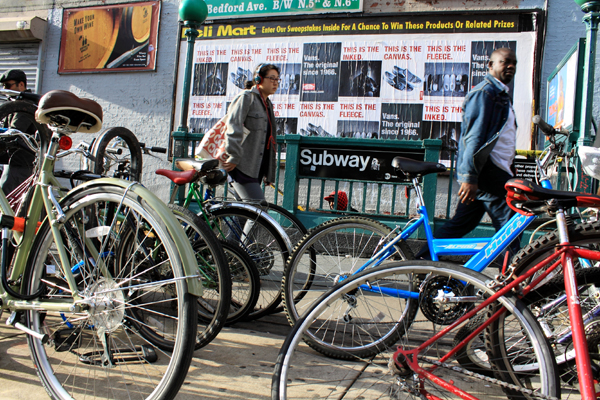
[339, 248]
[116, 147]
[248, 225]
[424, 365]
[213, 265]
[105, 284]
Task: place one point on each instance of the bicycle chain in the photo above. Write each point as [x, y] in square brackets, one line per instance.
[486, 378]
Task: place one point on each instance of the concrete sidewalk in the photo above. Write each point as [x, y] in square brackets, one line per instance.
[238, 364]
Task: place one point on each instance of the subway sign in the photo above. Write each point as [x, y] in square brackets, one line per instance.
[353, 163]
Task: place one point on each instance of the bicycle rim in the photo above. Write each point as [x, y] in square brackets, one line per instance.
[215, 275]
[135, 339]
[329, 254]
[264, 245]
[367, 299]
[245, 282]
[549, 304]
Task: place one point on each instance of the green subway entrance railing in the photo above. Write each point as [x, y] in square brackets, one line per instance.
[299, 188]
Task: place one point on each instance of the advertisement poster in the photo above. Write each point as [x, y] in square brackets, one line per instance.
[561, 94]
[370, 78]
[120, 37]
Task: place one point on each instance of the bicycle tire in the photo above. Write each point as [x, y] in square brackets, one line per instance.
[131, 168]
[473, 355]
[552, 314]
[293, 227]
[245, 282]
[328, 253]
[138, 313]
[214, 304]
[299, 370]
[264, 245]
[584, 235]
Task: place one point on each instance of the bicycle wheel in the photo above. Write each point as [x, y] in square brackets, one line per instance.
[264, 245]
[117, 154]
[549, 305]
[135, 334]
[473, 355]
[330, 253]
[245, 281]
[293, 227]
[585, 235]
[214, 304]
[372, 301]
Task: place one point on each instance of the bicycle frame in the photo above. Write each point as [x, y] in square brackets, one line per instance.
[566, 253]
[25, 240]
[483, 250]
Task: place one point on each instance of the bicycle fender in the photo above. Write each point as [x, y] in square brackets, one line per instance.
[182, 243]
[260, 211]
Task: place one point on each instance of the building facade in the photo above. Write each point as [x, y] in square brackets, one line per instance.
[399, 83]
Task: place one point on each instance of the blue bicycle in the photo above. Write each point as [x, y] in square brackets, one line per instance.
[341, 248]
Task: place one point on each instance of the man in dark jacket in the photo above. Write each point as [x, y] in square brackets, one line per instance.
[486, 150]
[18, 159]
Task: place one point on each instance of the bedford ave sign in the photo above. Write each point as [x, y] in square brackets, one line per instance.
[218, 9]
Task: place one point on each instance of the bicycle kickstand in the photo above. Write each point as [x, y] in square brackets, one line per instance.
[13, 320]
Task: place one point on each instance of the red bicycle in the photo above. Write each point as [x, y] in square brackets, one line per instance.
[518, 357]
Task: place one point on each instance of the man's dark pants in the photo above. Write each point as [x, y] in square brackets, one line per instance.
[491, 199]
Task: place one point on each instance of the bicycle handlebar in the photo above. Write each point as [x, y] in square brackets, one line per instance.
[546, 128]
[8, 133]
[153, 149]
[34, 97]
[82, 148]
[8, 92]
[114, 151]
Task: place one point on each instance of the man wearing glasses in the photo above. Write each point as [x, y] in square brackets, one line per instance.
[17, 158]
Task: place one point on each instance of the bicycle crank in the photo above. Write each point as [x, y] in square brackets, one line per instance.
[445, 300]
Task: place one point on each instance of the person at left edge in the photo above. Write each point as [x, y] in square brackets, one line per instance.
[255, 159]
[18, 160]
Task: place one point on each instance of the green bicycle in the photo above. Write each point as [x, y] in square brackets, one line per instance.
[104, 281]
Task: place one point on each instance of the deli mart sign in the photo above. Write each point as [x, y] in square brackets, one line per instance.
[353, 163]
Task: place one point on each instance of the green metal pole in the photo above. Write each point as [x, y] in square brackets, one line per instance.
[191, 33]
[290, 183]
[181, 141]
[590, 20]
